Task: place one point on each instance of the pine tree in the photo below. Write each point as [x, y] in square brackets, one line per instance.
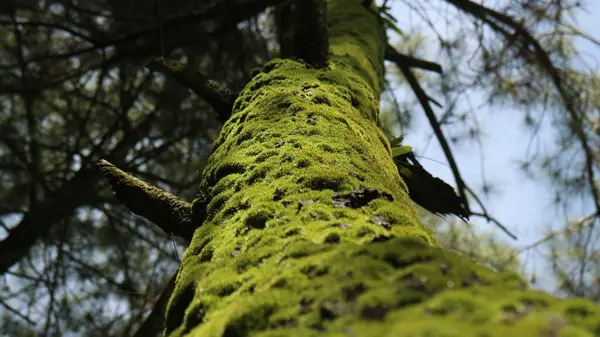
[304, 226]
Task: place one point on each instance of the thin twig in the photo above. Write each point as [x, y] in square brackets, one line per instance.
[568, 230]
[17, 313]
[496, 222]
[487, 216]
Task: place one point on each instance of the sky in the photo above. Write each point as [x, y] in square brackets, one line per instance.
[523, 205]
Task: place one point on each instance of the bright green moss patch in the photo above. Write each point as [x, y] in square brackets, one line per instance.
[326, 291]
[390, 288]
[365, 231]
[240, 320]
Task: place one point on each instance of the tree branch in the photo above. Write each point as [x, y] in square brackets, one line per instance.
[219, 97]
[167, 211]
[424, 101]
[488, 217]
[393, 55]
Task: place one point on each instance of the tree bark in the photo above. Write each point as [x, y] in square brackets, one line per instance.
[306, 228]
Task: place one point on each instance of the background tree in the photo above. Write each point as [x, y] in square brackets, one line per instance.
[79, 83]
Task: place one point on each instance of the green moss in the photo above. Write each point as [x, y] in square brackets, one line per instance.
[309, 229]
[365, 231]
[394, 288]
[257, 218]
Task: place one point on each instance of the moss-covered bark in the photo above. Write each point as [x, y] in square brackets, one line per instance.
[309, 231]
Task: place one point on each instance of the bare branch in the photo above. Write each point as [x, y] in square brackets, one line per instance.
[498, 224]
[488, 217]
[17, 313]
[393, 55]
[575, 227]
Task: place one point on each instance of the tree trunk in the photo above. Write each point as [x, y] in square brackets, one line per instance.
[307, 228]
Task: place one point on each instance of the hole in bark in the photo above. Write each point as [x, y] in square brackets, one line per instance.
[332, 238]
[376, 312]
[257, 219]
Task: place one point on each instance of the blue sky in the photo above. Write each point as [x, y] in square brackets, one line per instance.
[523, 205]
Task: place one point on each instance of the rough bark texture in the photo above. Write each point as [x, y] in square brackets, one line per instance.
[309, 230]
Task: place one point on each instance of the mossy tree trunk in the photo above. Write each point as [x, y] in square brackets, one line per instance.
[307, 229]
